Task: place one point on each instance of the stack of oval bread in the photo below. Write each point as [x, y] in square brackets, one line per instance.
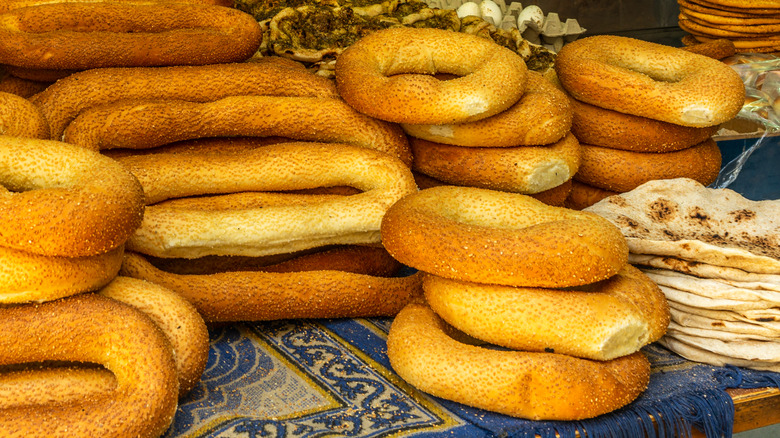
[69, 212]
[752, 26]
[549, 284]
[495, 125]
[715, 256]
[643, 111]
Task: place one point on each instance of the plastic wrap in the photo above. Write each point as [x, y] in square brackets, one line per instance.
[761, 75]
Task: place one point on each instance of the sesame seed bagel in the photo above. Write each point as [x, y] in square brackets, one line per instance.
[63, 200]
[601, 321]
[388, 74]
[265, 296]
[650, 80]
[20, 118]
[536, 386]
[86, 35]
[583, 195]
[65, 99]
[93, 329]
[171, 232]
[520, 169]
[487, 236]
[622, 171]
[176, 317]
[541, 116]
[611, 129]
[124, 124]
[27, 277]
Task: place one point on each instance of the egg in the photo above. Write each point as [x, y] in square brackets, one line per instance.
[467, 9]
[489, 8]
[531, 17]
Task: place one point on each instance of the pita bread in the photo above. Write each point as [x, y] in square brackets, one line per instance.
[687, 6]
[746, 26]
[715, 20]
[698, 354]
[739, 349]
[711, 288]
[703, 302]
[682, 218]
[723, 335]
[704, 270]
[729, 319]
[763, 7]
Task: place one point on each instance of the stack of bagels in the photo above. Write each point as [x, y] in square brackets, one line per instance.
[752, 26]
[644, 111]
[715, 256]
[495, 125]
[68, 213]
[549, 284]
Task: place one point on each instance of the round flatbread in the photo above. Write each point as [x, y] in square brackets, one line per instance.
[695, 321]
[682, 218]
[705, 270]
[704, 302]
[697, 354]
[711, 288]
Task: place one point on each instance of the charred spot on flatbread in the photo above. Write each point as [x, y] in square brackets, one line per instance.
[739, 216]
[663, 210]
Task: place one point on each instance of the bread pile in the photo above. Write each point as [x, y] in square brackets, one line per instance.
[629, 140]
[549, 285]
[715, 256]
[752, 26]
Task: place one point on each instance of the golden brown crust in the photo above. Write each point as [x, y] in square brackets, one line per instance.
[388, 75]
[717, 49]
[608, 319]
[85, 35]
[262, 296]
[176, 317]
[124, 124]
[26, 277]
[603, 127]
[63, 200]
[93, 329]
[520, 169]
[20, 118]
[19, 86]
[542, 116]
[555, 196]
[650, 80]
[583, 195]
[486, 236]
[622, 171]
[65, 99]
[536, 386]
[192, 233]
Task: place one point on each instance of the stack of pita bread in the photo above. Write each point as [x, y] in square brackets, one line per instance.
[716, 257]
[753, 25]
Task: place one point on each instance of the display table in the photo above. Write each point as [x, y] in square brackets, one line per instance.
[322, 377]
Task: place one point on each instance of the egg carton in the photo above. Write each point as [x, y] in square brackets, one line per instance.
[536, 27]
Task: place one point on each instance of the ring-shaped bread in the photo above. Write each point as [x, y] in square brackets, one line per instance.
[388, 74]
[622, 171]
[192, 233]
[93, 329]
[584, 195]
[176, 317]
[611, 129]
[64, 200]
[21, 118]
[601, 321]
[66, 98]
[27, 277]
[486, 236]
[265, 296]
[124, 124]
[650, 80]
[536, 386]
[519, 169]
[87, 35]
[541, 116]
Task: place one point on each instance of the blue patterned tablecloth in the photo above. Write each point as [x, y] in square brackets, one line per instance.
[332, 377]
